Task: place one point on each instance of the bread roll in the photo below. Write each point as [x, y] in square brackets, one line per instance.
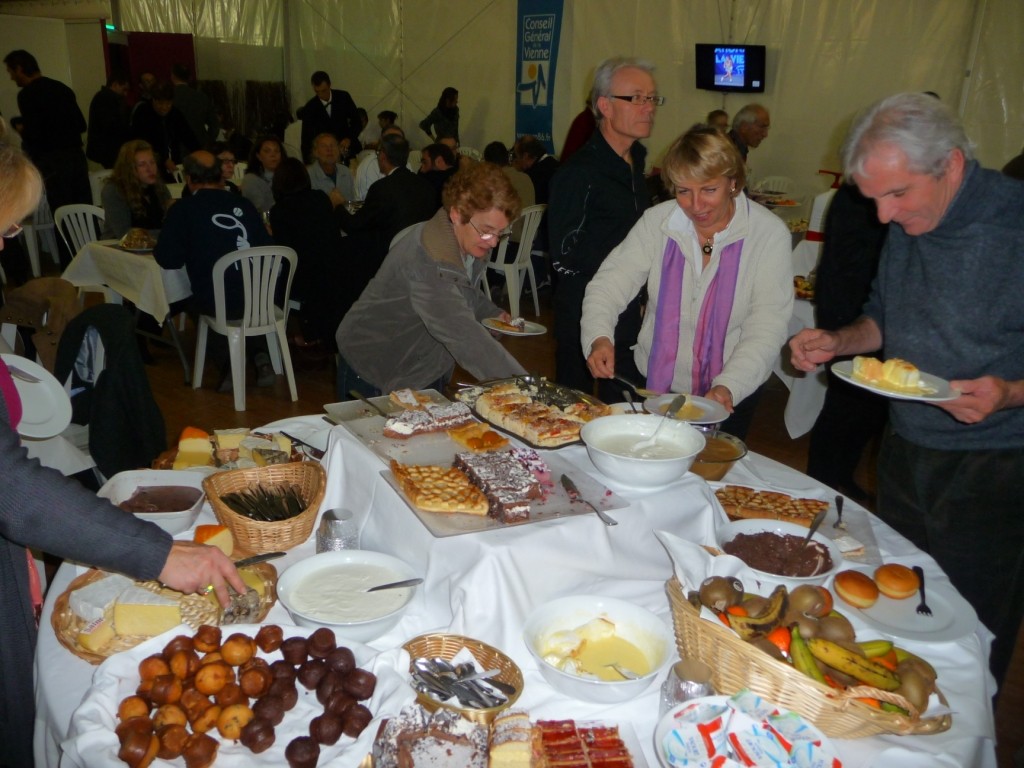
[856, 588]
[896, 581]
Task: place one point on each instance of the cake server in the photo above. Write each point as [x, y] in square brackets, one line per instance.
[574, 495]
[20, 374]
[361, 396]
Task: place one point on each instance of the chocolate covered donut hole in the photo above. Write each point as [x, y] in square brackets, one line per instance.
[326, 728]
[311, 673]
[269, 708]
[258, 735]
[321, 643]
[302, 752]
[294, 650]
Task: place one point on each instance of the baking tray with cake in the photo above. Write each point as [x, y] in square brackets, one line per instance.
[540, 413]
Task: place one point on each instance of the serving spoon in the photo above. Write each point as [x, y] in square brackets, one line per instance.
[673, 408]
[815, 524]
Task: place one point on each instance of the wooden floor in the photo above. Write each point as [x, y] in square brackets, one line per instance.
[205, 408]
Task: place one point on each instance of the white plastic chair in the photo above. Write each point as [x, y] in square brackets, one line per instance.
[260, 269]
[807, 252]
[38, 230]
[96, 181]
[240, 168]
[781, 184]
[530, 218]
[79, 224]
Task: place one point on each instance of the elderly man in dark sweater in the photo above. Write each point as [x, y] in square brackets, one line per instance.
[947, 298]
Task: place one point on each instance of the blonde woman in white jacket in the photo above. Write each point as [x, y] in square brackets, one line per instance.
[719, 279]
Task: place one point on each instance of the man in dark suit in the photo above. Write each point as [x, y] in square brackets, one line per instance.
[397, 201]
[108, 121]
[531, 157]
[329, 111]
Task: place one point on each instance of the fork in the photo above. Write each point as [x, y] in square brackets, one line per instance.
[923, 608]
[840, 500]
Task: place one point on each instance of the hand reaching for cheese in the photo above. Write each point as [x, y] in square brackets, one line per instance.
[191, 567]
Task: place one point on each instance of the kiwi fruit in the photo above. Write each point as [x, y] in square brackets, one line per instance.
[721, 592]
[837, 629]
[807, 599]
[915, 688]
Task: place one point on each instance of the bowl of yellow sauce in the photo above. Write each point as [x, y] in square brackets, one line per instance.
[721, 452]
[596, 648]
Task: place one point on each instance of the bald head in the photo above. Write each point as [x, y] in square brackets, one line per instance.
[202, 169]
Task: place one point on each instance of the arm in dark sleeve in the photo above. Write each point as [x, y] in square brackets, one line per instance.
[172, 245]
[42, 509]
[567, 218]
[427, 123]
[375, 213]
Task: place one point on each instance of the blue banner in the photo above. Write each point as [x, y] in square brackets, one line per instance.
[540, 22]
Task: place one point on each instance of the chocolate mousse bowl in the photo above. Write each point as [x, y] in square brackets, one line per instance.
[769, 555]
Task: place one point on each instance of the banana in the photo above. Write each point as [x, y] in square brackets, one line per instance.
[748, 627]
[865, 670]
[873, 648]
[801, 656]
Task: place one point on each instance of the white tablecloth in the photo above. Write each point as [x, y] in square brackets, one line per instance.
[132, 276]
[485, 585]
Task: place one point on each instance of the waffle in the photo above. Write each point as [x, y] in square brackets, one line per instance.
[741, 502]
[439, 489]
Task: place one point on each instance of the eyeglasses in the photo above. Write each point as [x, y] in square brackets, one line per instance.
[638, 101]
[15, 230]
[227, 160]
[488, 236]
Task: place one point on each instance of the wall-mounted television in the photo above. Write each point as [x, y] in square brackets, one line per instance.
[728, 67]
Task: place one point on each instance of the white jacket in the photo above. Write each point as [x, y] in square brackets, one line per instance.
[763, 303]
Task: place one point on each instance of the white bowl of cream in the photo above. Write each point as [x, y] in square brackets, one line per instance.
[329, 590]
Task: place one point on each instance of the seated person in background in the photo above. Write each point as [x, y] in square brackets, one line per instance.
[496, 152]
[421, 314]
[301, 219]
[41, 509]
[199, 229]
[437, 165]
[267, 153]
[163, 125]
[228, 161]
[453, 144]
[399, 199]
[369, 135]
[328, 174]
[368, 171]
[719, 281]
[134, 195]
[531, 157]
[719, 120]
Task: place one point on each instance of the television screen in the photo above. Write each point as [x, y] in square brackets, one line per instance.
[727, 67]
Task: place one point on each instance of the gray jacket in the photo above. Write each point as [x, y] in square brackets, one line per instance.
[420, 315]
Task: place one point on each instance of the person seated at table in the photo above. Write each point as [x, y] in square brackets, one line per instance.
[40, 508]
[719, 281]
[328, 173]
[301, 219]
[164, 126]
[267, 153]
[134, 195]
[227, 159]
[368, 171]
[421, 313]
[437, 165]
[201, 228]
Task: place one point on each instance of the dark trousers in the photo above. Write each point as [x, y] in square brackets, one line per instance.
[964, 508]
[570, 361]
[850, 418]
[349, 380]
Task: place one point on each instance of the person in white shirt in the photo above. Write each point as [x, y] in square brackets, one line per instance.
[328, 174]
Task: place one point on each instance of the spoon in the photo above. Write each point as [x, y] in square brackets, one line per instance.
[839, 514]
[642, 391]
[629, 399]
[815, 524]
[395, 585]
[673, 408]
[626, 672]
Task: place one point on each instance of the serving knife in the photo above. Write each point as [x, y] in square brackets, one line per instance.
[361, 396]
[20, 374]
[312, 450]
[574, 495]
[258, 559]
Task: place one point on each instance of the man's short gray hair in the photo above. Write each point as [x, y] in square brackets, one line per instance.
[748, 114]
[606, 71]
[396, 149]
[925, 129]
[199, 172]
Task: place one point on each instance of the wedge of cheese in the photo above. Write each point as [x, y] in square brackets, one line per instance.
[141, 612]
[194, 449]
[218, 536]
[92, 601]
[96, 635]
[230, 438]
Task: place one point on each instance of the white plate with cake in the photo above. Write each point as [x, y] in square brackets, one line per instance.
[523, 328]
[890, 379]
[696, 410]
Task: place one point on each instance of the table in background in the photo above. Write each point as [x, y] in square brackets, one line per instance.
[135, 277]
[485, 585]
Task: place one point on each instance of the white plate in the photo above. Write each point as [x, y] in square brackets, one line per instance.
[530, 329]
[713, 411]
[942, 391]
[310, 429]
[45, 407]
[952, 616]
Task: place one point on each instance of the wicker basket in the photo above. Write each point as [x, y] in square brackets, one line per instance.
[446, 647]
[738, 665]
[254, 536]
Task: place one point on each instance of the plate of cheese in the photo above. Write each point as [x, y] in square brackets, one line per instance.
[102, 613]
[894, 378]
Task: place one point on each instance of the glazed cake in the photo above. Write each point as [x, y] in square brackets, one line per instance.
[433, 418]
[507, 484]
[416, 739]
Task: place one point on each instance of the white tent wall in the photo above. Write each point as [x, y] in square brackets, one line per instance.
[826, 60]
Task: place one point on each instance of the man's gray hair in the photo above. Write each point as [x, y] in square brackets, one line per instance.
[199, 173]
[396, 149]
[748, 114]
[925, 129]
[606, 71]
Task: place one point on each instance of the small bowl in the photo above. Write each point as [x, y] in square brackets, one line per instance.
[644, 629]
[393, 602]
[730, 530]
[721, 452]
[600, 434]
[121, 486]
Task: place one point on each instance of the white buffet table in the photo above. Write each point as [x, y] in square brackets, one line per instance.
[484, 585]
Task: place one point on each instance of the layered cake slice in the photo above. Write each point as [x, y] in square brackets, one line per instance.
[433, 418]
[507, 484]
